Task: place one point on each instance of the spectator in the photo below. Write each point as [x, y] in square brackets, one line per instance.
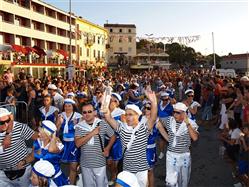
[12, 137]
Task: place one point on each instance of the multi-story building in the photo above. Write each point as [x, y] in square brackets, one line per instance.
[122, 43]
[238, 62]
[91, 44]
[38, 34]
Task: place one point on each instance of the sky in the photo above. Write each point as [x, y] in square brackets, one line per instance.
[227, 19]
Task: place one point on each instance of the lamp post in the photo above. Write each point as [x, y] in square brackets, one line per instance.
[149, 35]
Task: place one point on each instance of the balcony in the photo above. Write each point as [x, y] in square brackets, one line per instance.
[38, 8]
[7, 17]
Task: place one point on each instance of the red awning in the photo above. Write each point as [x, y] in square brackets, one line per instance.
[30, 49]
[39, 51]
[62, 52]
[18, 48]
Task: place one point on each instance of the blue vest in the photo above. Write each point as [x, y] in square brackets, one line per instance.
[53, 158]
[166, 112]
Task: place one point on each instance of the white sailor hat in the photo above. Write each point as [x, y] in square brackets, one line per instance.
[136, 84]
[117, 96]
[4, 112]
[81, 94]
[69, 101]
[164, 94]
[189, 91]
[43, 168]
[180, 106]
[70, 94]
[244, 78]
[127, 179]
[52, 87]
[49, 126]
[134, 108]
[162, 86]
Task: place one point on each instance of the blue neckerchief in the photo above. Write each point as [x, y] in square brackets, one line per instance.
[122, 183]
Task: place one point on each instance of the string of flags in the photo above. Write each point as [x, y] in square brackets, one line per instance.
[180, 39]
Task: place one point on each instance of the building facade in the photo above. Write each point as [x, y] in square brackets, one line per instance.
[91, 44]
[38, 34]
[238, 62]
[121, 43]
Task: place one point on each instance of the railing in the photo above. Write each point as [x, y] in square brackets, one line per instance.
[17, 110]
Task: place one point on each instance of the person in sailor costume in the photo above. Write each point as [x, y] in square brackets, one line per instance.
[134, 135]
[66, 125]
[165, 110]
[47, 111]
[134, 96]
[42, 173]
[151, 147]
[181, 130]
[191, 104]
[48, 147]
[116, 150]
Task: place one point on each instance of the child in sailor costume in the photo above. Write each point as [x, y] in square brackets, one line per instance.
[47, 111]
[50, 152]
[66, 124]
[42, 173]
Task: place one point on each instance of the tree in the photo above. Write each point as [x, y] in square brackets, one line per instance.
[210, 60]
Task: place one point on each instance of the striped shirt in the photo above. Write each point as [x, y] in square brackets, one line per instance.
[183, 141]
[135, 159]
[18, 149]
[91, 155]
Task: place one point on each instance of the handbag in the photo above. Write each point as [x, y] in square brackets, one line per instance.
[15, 174]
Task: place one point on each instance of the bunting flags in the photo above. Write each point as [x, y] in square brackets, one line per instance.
[180, 39]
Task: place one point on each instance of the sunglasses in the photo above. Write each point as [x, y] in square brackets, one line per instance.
[4, 122]
[190, 95]
[147, 108]
[89, 112]
[164, 99]
[177, 112]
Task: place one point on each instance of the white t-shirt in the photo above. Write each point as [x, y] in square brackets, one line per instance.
[235, 134]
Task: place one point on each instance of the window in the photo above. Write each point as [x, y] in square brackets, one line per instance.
[130, 39]
[103, 54]
[94, 53]
[80, 51]
[129, 49]
[120, 30]
[98, 54]
[87, 52]
[98, 39]
[120, 39]
[110, 30]
[94, 39]
[231, 62]
[129, 30]
[120, 49]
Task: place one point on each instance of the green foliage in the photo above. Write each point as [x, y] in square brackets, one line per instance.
[2, 68]
[181, 55]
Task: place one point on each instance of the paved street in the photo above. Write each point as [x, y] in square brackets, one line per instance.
[208, 169]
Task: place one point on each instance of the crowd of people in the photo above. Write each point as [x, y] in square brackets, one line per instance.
[116, 122]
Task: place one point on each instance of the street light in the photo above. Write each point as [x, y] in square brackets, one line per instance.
[149, 35]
